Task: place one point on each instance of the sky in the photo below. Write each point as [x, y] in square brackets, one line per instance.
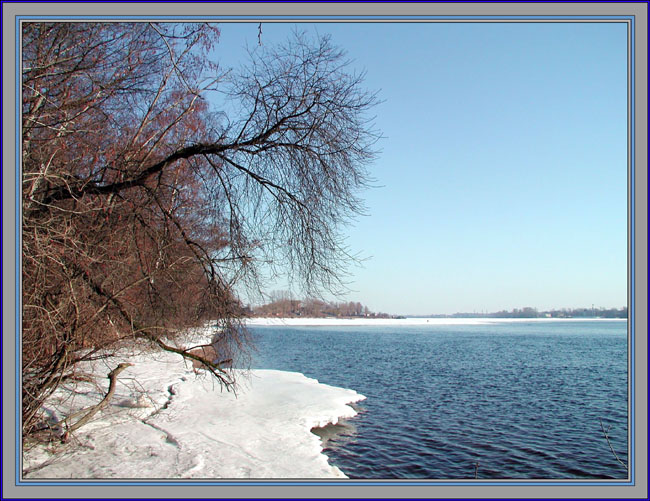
[501, 181]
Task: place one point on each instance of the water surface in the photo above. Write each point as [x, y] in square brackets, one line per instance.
[523, 400]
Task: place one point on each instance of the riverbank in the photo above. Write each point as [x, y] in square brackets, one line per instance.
[167, 421]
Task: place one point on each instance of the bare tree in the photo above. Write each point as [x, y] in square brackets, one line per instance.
[145, 210]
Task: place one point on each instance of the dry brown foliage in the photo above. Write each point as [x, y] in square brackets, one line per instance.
[144, 209]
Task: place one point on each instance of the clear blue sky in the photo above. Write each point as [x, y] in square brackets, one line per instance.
[503, 172]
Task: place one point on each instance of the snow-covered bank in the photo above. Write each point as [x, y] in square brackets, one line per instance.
[408, 321]
[164, 422]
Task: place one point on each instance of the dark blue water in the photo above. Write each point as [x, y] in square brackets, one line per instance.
[524, 401]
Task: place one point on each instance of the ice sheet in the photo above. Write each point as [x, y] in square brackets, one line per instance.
[167, 422]
[402, 321]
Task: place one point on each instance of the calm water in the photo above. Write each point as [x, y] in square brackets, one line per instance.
[522, 400]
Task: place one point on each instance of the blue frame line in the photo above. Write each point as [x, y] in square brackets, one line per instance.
[18, 259]
[253, 483]
[332, 18]
[631, 308]
[631, 322]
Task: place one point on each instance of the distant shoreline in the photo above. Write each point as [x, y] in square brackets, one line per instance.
[300, 321]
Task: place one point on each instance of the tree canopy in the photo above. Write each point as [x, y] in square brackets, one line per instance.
[145, 207]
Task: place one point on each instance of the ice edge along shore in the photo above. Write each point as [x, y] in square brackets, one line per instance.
[166, 421]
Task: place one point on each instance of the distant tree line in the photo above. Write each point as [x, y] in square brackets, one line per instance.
[529, 312]
[282, 304]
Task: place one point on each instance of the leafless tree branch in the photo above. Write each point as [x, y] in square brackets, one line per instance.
[146, 210]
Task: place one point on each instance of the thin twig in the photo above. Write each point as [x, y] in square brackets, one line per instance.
[610, 444]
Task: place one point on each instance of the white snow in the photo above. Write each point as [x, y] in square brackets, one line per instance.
[165, 421]
[388, 322]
